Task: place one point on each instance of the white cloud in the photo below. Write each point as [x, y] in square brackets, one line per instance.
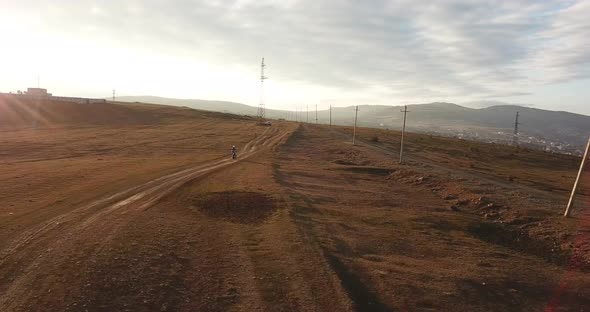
[565, 51]
[379, 51]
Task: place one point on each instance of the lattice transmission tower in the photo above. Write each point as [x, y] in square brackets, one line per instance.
[261, 109]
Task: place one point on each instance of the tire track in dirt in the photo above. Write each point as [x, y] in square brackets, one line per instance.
[360, 296]
[24, 254]
[125, 197]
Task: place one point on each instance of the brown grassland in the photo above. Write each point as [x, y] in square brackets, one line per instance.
[136, 207]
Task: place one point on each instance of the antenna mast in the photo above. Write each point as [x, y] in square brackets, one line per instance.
[261, 108]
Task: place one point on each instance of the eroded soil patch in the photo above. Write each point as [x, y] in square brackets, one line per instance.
[237, 207]
[368, 170]
[519, 240]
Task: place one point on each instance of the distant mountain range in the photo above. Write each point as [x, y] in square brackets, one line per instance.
[485, 104]
[559, 131]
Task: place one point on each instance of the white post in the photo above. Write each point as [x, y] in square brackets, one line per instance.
[354, 130]
[570, 204]
[401, 149]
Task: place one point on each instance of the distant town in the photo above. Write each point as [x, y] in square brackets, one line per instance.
[503, 137]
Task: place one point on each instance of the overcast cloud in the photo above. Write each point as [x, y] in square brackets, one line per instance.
[343, 52]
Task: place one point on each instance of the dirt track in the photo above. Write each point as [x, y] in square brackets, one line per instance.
[47, 246]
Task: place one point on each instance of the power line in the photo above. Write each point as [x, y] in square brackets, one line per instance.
[261, 109]
[316, 114]
[515, 136]
[401, 149]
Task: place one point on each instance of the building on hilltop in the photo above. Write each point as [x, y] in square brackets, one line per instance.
[41, 94]
[38, 92]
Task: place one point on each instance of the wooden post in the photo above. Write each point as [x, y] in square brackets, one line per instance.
[356, 111]
[316, 114]
[570, 204]
[401, 148]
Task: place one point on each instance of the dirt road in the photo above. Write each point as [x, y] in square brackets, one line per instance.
[180, 242]
[55, 248]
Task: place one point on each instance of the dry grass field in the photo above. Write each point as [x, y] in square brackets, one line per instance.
[136, 207]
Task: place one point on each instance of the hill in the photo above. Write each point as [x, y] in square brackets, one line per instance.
[551, 130]
[217, 106]
[18, 112]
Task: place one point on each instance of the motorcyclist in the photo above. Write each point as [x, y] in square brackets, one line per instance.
[234, 152]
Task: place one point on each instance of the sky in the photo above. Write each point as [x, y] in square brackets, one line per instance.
[325, 52]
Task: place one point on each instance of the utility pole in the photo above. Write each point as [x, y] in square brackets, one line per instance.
[330, 115]
[570, 204]
[113, 95]
[356, 111]
[261, 108]
[316, 114]
[307, 112]
[401, 149]
[515, 136]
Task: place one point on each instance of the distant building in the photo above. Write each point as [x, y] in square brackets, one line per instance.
[40, 93]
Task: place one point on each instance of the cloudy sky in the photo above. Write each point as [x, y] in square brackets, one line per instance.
[317, 52]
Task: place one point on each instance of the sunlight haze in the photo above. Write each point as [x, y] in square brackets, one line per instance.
[317, 52]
